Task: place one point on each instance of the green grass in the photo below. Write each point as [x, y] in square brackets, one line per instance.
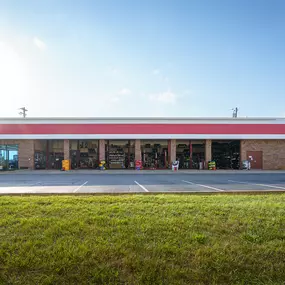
[143, 239]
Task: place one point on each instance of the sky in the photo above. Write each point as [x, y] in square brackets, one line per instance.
[142, 58]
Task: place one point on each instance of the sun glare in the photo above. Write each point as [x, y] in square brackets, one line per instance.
[12, 73]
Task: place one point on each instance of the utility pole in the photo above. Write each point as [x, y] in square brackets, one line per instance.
[23, 112]
[235, 112]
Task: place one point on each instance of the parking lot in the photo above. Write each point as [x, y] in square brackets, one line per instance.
[65, 183]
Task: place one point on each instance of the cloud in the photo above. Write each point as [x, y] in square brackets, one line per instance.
[156, 72]
[114, 99]
[39, 43]
[159, 75]
[164, 97]
[125, 91]
[121, 95]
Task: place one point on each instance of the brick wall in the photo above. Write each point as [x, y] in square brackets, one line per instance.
[26, 154]
[9, 141]
[66, 149]
[171, 151]
[208, 152]
[138, 152]
[273, 152]
[102, 150]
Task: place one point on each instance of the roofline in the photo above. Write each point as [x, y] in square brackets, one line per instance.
[144, 118]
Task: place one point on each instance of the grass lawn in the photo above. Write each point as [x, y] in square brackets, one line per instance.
[143, 239]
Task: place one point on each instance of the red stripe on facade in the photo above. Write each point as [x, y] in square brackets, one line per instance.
[77, 129]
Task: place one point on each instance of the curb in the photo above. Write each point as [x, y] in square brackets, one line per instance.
[140, 172]
[244, 192]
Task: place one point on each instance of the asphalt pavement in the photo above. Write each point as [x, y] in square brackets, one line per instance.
[143, 182]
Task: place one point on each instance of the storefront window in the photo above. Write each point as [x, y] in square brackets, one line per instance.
[56, 155]
[190, 153]
[84, 154]
[198, 156]
[40, 154]
[9, 157]
[48, 154]
[183, 153]
[120, 154]
[154, 154]
[3, 158]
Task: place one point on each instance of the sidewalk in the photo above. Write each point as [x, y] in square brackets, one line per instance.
[154, 172]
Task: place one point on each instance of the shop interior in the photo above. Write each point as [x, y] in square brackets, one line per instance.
[190, 154]
[154, 154]
[120, 154]
[48, 154]
[84, 154]
[8, 157]
[226, 154]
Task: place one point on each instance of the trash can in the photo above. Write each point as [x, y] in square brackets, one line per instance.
[245, 164]
[65, 165]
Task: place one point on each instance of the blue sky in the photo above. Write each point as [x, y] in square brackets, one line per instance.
[142, 58]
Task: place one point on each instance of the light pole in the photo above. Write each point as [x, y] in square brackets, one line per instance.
[235, 112]
[23, 112]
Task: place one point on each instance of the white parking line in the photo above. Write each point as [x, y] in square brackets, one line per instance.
[141, 186]
[78, 188]
[201, 185]
[263, 185]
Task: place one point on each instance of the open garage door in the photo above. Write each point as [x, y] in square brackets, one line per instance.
[226, 154]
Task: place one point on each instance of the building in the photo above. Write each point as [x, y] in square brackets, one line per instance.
[42, 143]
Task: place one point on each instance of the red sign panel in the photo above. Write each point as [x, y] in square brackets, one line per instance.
[38, 129]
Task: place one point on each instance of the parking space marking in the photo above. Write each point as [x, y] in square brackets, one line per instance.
[78, 188]
[257, 184]
[201, 185]
[141, 186]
